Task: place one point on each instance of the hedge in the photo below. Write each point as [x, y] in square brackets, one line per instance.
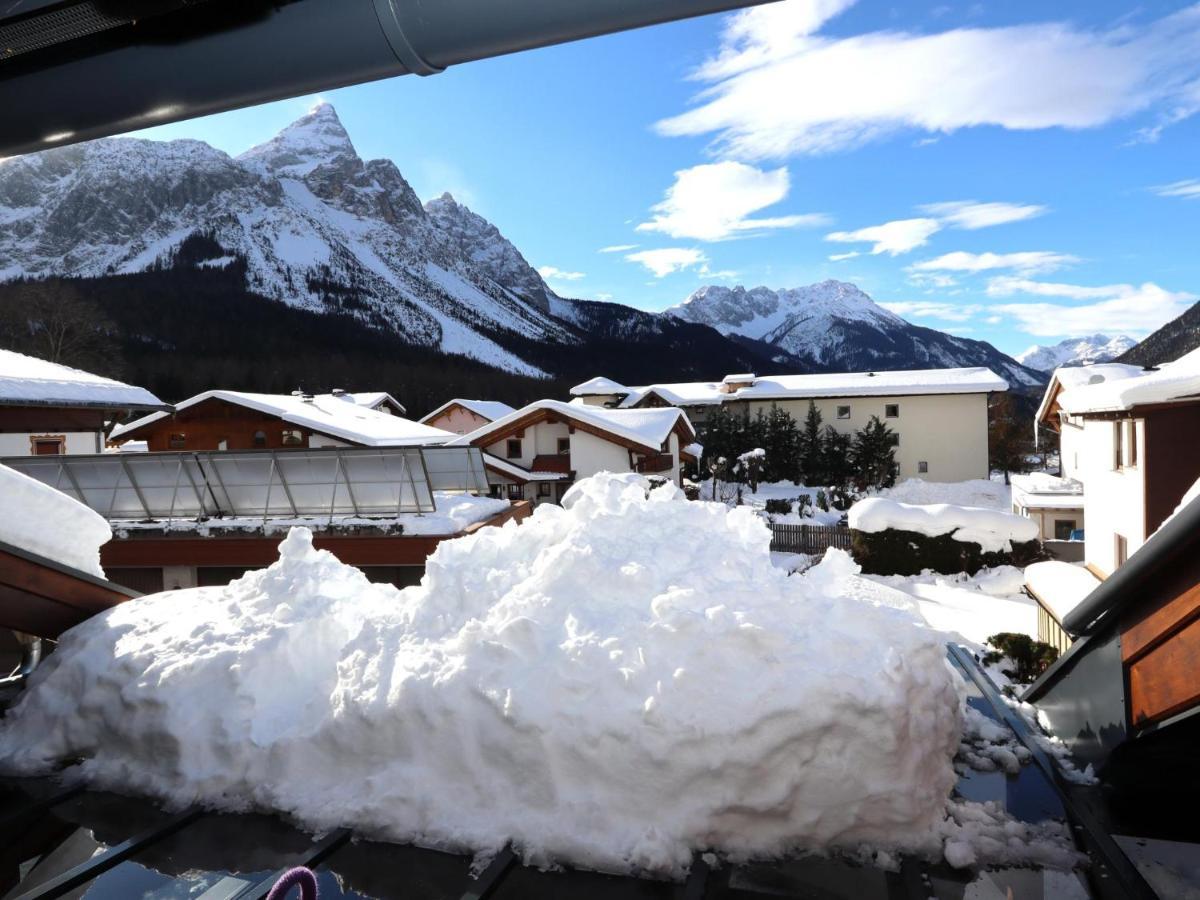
[895, 552]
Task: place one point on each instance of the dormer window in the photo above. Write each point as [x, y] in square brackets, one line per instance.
[292, 437]
[177, 440]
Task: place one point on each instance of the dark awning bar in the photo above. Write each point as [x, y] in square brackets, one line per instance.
[80, 70]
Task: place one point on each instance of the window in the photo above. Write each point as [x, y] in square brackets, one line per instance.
[891, 410]
[177, 441]
[1063, 529]
[512, 449]
[292, 437]
[843, 412]
[260, 439]
[48, 445]
[516, 492]
[894, 439]
[543, 489]
[1121, 550]
[564, 446]
[922, 468]
[1132, 455]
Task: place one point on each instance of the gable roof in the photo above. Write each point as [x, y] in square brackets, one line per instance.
[1172, 381]
[1069, 377]
[970, 380]
[646, 428]
[29, 381]
[335, 415]
[372, 399]
[599, 386]
[485, 409]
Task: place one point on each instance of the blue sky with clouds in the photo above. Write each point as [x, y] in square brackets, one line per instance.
[1017, 172]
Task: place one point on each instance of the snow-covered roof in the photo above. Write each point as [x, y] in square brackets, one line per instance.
[331, 414]
[513, 470]
[973, 380]
[647, 427]
[738, 379]
[1066, 378]
[1060, 586]
[27, 380]
[1172, 381]
[1042, 490]
[371, 399]
[598, 385]
[487, 409]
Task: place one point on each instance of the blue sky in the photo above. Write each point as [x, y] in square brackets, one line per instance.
[1016, 172]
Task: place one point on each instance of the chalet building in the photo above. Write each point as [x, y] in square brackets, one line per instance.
[1129, 435]
[464, 416]
[236, 420]
[1055, 503]
[940, 416]
[49, 409]
[537, 452]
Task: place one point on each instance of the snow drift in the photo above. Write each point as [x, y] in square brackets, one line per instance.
[614, 684]
[37, 518]
[992, 530]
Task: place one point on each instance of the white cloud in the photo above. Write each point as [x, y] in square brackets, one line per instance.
[972, 215]
[617, 248]
[893, 238]
[920, 309]
[903, 235]
[1128, 309]
[776, 88]
[1028, 262]
[715, 201]
[559, 274]
[1007, 286]
[1188, 188]
[667, 260]
[837, 257]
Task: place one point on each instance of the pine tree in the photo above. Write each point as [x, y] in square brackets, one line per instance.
[811, 447]
[873, 456]
[1010, 437]
[836, 458]
[781, 440]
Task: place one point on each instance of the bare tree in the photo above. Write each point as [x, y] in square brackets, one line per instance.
[53, 320]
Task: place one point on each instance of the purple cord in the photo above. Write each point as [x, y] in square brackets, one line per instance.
[290, 879]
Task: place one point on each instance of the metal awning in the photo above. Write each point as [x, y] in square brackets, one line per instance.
[333, 481]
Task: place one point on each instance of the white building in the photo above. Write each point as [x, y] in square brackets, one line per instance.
[940, 416]
[1056, 504]
[1132, 437]
[47, 408]
[464, 416]
[538, 451]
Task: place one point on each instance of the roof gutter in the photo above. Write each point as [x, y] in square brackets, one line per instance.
[1165, 548]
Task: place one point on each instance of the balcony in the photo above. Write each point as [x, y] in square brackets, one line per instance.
[659, 462]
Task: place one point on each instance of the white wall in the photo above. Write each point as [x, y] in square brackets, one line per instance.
[591, 454]
[18, 443]
[457, 419]
[1071, 446]
[947, 431]
[1114, 500]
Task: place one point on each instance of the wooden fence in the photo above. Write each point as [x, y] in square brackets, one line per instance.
[810, 539]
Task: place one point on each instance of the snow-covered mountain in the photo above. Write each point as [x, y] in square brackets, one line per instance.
[315, 225]
[1085, 351]
[834, 325]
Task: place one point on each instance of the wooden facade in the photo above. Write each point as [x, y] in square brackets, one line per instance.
[216, 424]
[1160, 647]
[42, 598]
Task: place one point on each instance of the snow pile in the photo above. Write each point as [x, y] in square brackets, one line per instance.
[1061, 586]
[47, 522]
[992, 530]
[614, 683]
[975, 492]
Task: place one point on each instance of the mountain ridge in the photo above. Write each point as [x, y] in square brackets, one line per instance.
[1082, 351]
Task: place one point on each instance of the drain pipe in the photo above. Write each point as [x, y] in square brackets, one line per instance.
[31, 655]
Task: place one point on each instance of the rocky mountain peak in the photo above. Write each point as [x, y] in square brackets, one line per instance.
[315, 140]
